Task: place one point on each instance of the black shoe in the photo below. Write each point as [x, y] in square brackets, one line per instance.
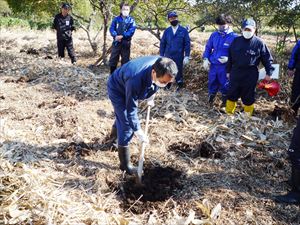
[169, 85]
[224, 99]
[293, 197]
[211, 99]
[73, 61]
[112, 69]
[179, 86]
[124, 156]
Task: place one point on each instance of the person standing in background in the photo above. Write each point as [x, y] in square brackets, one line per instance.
[122, 29]
[64, 25]
[176, 45]
[215, 58]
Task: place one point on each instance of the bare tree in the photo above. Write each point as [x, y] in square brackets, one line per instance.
[105, 9]
[156, 20]
[88, 25]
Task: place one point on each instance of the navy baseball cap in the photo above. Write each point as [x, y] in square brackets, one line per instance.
[249, 23]
[66, 6]
[172, 14]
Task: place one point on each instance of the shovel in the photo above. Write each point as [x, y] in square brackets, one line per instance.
[142, 151]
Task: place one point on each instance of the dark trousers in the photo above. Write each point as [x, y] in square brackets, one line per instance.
[295, 97]
[120, 49]
[294, 150]
[124, 131]
[242, 85]
[62, 44]
[179, 63]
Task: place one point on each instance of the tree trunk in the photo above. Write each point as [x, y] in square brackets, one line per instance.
[295, 33]
[104, 48]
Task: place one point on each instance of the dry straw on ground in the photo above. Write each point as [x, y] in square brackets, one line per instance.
[56, 169]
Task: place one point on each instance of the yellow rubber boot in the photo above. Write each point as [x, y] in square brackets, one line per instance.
[230, 107]
[249, 109]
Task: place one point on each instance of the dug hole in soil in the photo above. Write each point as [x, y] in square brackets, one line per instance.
[204, 149]
[158, 184]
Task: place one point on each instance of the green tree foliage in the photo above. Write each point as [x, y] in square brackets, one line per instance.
[4, 8]
[152, 15]
[239, 9]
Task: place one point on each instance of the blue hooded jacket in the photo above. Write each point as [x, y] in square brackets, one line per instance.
[218, 45]
[130, 83]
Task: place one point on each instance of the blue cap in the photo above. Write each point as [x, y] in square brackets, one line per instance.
[66, 6]
[249, 23]
[172, 14]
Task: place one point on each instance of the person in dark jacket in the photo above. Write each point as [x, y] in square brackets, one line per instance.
[176, 45]
[215, 58]
[122, 29]
[245, 54]
[293, 197]
[136, 80]
[64, 25]
[294, 63]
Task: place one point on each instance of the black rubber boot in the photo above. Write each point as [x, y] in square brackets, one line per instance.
[179, 86]
[111, 140]
[112, 69]
[114, 134]
[124, 156]
[224, 99]
[211, 99]
[293, 197]
[114, 138]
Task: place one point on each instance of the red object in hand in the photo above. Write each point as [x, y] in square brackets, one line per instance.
[272, 87]
[262, 84]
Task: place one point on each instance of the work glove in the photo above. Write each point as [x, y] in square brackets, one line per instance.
[143, 138]
[206, 64]
[223, 59]
[186, 60]
[267, 78]
[150, 101]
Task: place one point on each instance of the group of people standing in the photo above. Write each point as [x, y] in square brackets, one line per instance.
[231, 59]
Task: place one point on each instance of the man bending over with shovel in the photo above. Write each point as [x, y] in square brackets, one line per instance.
[136, 80]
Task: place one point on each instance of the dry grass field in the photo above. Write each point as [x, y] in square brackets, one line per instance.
[202, 166]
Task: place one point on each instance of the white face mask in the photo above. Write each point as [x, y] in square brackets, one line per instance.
[248, 34]
[158, 84]
[125, 13]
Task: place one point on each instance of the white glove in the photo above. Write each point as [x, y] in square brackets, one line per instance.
[150, 101]
[223, 59]
[143, 138]
[206, 64]
[186, 60]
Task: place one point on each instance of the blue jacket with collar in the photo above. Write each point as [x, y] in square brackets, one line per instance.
[175, 46]
[123, 26]
[130, 83]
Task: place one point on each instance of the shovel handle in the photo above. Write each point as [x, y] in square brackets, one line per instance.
[142, 152]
